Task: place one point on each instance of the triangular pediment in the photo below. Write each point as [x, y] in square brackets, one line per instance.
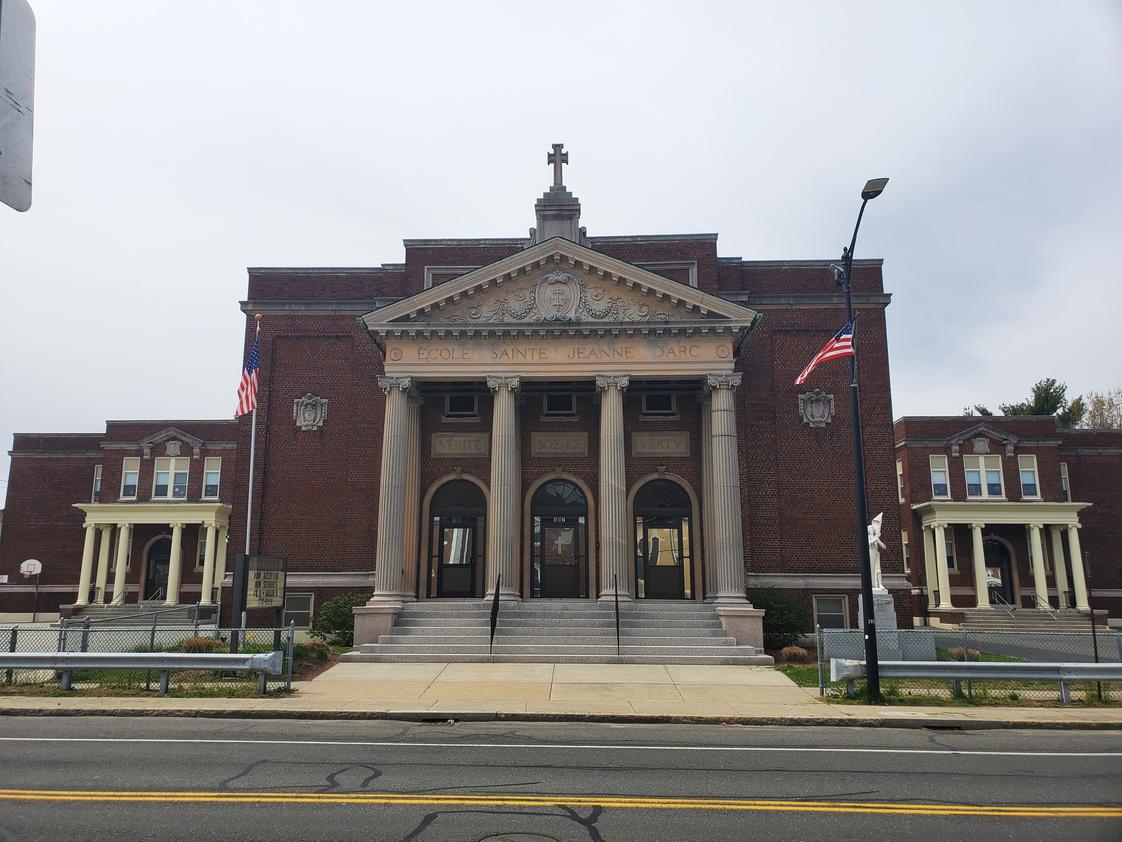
[169, 433]
[984, 430]
[559, 284]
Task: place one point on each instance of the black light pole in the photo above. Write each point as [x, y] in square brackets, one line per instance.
[873, 188]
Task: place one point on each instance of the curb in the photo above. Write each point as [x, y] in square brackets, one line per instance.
[935, 723]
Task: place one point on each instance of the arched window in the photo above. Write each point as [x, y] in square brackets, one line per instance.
[663, 541]
[559, 561]
[458, 516]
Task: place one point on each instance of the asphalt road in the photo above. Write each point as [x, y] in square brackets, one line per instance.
[204, 779]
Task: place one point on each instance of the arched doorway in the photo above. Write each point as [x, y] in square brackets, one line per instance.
[158, 562]
[559, 541]
[999, 572]
[663, 541]
[458, 518]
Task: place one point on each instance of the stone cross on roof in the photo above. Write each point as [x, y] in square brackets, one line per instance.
[557, 158]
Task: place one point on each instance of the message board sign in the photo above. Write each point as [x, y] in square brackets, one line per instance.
[265, 582]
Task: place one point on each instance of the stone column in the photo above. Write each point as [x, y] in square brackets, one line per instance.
[1059, 566]
[612, 536]
[1078, 581]
[1036, 554]
[727, 554]
[931, 575]
[390, 549]
[502, 508]
[207, 596]
[220, 560]
[86, 573]
[707, 502]
[941, 566]
[412, 500]
[175, 567]
[124, 538]
[979, 552]
[103, 562]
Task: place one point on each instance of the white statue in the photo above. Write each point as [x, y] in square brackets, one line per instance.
[875, 546]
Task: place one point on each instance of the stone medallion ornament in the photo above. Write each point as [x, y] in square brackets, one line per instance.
[172, 448]
[309, 412]
[816, 407]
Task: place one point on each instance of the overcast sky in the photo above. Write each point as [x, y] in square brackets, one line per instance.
[178, 143]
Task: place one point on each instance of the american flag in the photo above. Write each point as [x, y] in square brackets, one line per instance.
[840, 346]
[247, 389]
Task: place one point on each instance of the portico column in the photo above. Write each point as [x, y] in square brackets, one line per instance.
[613, 489]
[207, 597]
[980, 587]
[390, 548]
[1078, 581]
[941, 566]
[1059, 566]
[707, 502]
[220, 560]
[1036, 553]
[502, 507]
[931, 576]
[728, 544]
[175, 566]
[124, 537]
[412, 499]
[103, 562]
[86, 573]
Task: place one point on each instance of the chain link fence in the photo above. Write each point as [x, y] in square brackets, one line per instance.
[987, 645]
[153, 638]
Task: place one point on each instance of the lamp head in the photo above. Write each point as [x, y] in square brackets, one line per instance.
[873, 188]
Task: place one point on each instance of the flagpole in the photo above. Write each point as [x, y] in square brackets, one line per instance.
[252, 454]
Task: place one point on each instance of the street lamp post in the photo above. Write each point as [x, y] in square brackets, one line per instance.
[873, 188]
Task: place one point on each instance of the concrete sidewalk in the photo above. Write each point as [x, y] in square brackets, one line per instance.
[585, 692]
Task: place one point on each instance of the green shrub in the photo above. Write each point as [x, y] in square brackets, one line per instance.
[335, 621]
[197, 645]
[785, 620]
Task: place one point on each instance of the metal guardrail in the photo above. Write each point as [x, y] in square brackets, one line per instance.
[842, 669]
[163, 662]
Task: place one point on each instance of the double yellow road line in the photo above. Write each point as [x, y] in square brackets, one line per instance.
[618, 802]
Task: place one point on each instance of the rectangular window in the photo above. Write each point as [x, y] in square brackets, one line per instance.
[212, 477]
[130, 477]
[461, 406]
[983, 476]
[831, 612]
[298, 609]
[1065, 482]
[952, 559]
[939, 486]
[95, 492]
[900, 480]
[904, 544]
[659, 403]
[200, 557]
[559, 405]
[169, 480]
[1029, 485]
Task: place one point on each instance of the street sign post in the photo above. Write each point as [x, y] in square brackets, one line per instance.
[17, 101]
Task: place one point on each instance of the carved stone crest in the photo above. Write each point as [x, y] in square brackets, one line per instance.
[172, 448]
[309, 412]
[981, 445]
[816, 407]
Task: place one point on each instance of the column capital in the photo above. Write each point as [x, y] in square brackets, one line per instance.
[399, 383]
[1074, 526]
[88, 525]
[124, 525]
[1036, 526]
[176, 525]
[209, 524]
[496, 382]
[612, 381]
[977, 526]
[729, 380]
[938, 524]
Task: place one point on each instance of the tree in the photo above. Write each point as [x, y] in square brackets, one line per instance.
[1104, 410]
[1048, 397]
[335, 621]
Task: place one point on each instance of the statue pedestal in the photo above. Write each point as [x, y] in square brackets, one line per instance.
[888, 636]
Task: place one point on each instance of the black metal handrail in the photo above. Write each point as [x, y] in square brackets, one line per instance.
[615, 593]
[494, 613]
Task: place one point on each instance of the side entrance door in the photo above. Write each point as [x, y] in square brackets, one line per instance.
[156, 572]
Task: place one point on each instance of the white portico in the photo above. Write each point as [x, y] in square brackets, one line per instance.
[559, 312]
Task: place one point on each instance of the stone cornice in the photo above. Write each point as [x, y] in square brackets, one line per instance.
[997, 513]
[161, 513]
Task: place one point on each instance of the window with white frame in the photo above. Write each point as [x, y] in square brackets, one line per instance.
[200, 557]
[169, 481]
[298, 610]
[461, 406]
[130, 477]
[212, 477]
[900, 480]
[95, 492]
[659, 403]
[952, 557]
[1030, 485]
[983, 477]
[939, 485]
[1065, 482]
[904, 544]
[831, 612]
[559, 405]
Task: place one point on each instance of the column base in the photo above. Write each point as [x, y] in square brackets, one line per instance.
[374, 619]
[744, 623]
[611, 597]
[729, 599]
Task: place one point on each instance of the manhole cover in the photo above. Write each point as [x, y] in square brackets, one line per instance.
[518, 837]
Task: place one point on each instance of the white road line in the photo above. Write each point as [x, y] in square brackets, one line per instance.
[568, 747]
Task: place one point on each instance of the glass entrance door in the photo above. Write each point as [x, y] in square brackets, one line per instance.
[661, 546]
[999, 573]
[559, 541]
[156, 574]
[456, 569]
[458, 519]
